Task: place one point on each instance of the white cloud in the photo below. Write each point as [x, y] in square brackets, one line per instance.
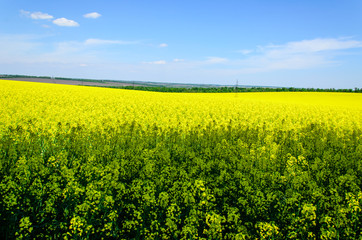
[160, 62]
[163, 45]
[40, 15]
[178, 60]
[63, 22]
[92, 15]
[36, 15]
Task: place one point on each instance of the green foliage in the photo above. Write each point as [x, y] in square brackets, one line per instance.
[233, 89]
[232, 183]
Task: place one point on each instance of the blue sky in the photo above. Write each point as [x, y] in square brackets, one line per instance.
[255, 42]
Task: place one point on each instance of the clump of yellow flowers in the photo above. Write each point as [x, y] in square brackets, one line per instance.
[48, 105]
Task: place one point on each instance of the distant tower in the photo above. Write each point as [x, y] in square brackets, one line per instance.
[236, 87]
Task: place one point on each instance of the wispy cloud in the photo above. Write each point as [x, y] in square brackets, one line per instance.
[63, 22]
[36, 15]
[214, 60]
[37, 48]
[313, 46]
[16, 46]
[178, 60]
[40, 15]
[163, 45]
[296, 55]
[24, 13]
[245, 51]
[159, 62]
[92, 15]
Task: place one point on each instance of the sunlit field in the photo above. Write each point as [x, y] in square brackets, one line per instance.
[86, 162]
[48, 105]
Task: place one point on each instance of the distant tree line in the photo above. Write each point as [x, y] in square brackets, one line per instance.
[21, 76]
[236, 89]
[198, 89]
[57, 78]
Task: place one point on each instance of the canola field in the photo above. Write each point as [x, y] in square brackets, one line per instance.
[94, 163]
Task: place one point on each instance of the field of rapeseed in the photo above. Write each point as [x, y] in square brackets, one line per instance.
[80, 162]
